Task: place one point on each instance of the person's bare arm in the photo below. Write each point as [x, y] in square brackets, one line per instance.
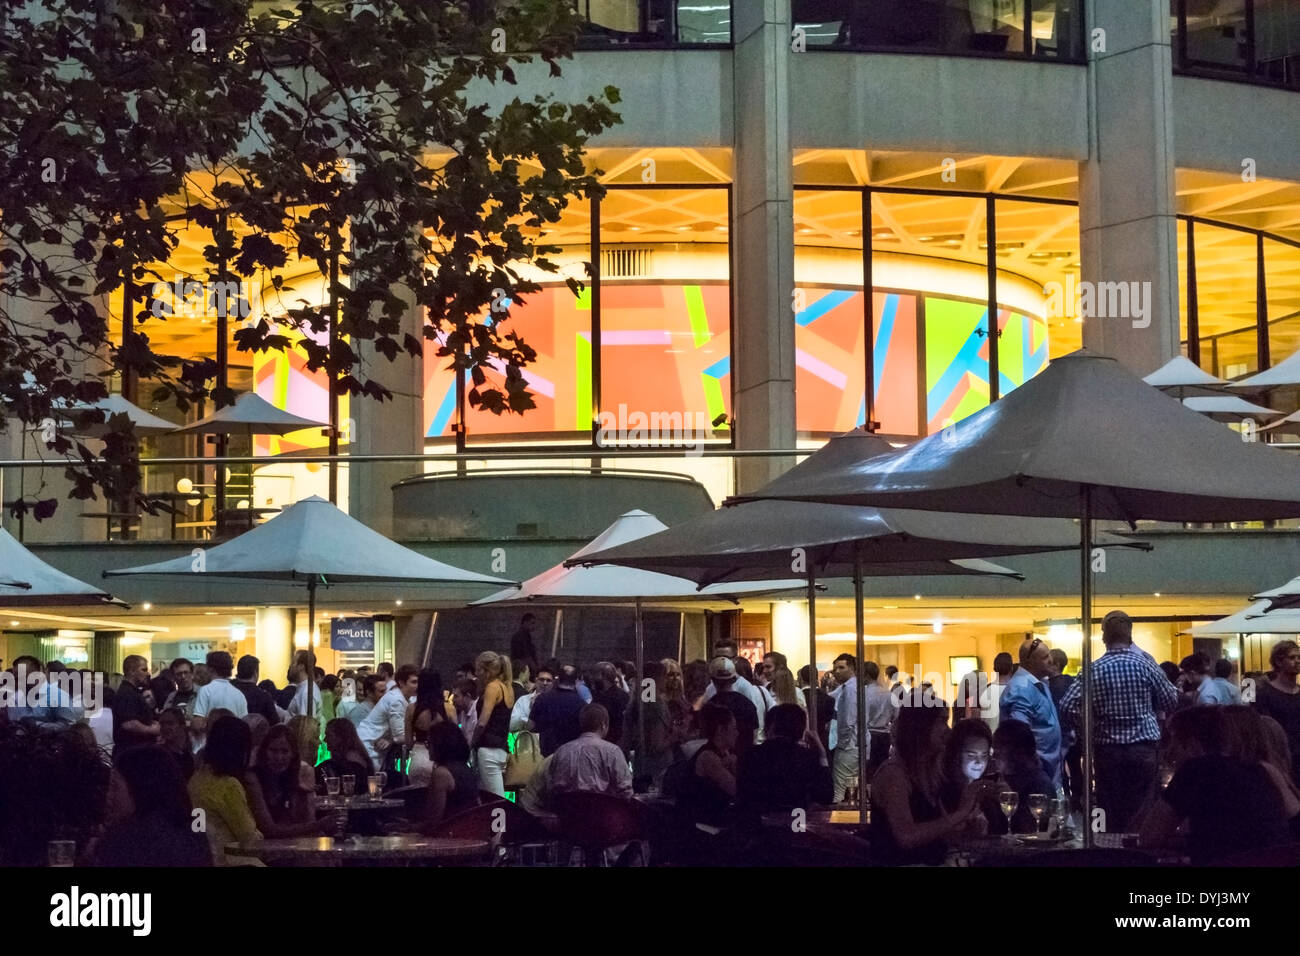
[138, 727]
[710, 766]
[262, 814]
[492, 697]
[891, 791]
[441, 784]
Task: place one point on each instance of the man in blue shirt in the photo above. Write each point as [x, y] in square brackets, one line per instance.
[1028, 699]
[556, 714]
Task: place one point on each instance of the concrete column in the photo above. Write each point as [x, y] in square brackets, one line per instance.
[763, 239]
[273, 642]
[1127, 212]
[391, 427]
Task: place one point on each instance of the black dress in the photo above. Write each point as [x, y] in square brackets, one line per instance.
[885, 849]
[700, 800]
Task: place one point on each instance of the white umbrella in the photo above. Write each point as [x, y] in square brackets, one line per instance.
[250, 415]
[614, 585]
[313, 541]
[144, 423]
[1255, 619]
[29, 581]
[1286, 372]
[1182, 376]
[1232, 408]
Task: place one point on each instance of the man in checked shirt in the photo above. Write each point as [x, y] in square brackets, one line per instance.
[1128, 691]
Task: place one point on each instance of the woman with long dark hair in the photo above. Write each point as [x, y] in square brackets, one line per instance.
[909, 821]
[453, 786]
[429, 708]
[1016, 755]
[150, 816]
[282, 789]
[347, 753]
[217, 788]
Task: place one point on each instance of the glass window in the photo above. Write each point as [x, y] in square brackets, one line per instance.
[665, 313]
[1225, 292]
[1282, 274]
[655, 22]
[1215, 34]
[1046, 28]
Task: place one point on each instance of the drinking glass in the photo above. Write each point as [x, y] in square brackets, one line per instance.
[1061, 810]
[1038, 805]
[373, 785]
[383, 780]
[349, 784]
[332, 786]
[62, 852]
[1009, 801]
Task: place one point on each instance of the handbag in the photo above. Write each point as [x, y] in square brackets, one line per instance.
[524, 761]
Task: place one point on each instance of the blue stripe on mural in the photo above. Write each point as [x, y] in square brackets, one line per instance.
[884, 335]
[967, 360]
[823, 305]
[443, 415]
[719, 368]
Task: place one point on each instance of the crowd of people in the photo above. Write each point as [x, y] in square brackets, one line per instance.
[1179, 753]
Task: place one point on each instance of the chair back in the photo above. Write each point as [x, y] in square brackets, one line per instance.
[598, 819]
[476, 823]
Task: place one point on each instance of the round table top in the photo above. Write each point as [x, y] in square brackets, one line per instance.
[356, 802]
[386, 848]
[822, 818]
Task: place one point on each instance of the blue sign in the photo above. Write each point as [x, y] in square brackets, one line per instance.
[352, 634]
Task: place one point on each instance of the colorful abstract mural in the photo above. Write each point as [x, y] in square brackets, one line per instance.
[957, 357]
[664, 348]
[283, 380]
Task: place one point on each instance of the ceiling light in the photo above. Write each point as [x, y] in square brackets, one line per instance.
[916, 597]
[399, 602]
[1157, 594]
[15, 624]
[147, 606]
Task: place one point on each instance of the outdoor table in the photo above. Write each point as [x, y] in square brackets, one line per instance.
[359, 801]
[816, 818]
[327, 851]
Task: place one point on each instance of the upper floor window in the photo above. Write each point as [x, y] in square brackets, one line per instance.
[1253, 40]
[1047, 29]
[655, 23]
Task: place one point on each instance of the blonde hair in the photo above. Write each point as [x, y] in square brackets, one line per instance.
[496, 666]
[783, 688]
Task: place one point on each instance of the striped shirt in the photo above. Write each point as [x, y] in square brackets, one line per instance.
[1128, 689]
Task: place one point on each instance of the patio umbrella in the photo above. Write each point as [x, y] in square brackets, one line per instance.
[771, 536]
[565, 584]
[1227, 408]
[1257, 618]
[27, 581]
[250, 415]
[1281, 597]
[314, 542]
[1285, 372]
[1181, 377]
[143, 423]
[1088, 439]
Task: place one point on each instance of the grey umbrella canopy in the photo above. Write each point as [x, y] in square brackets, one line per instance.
[1182, 377]
[314, 542]
[253, 414]
[765, 537]
[1087, 439]
[1085, 423]
[143, 423]
[27, 581]
[1228, 408]
[1285, 372]
[250, 415]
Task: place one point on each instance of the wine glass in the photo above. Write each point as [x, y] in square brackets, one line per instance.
[1038, 804]
[1009, 801]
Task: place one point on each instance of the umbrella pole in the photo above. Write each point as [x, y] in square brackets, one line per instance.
[311, 670]
[557, 630]
[1085, 675]
[813, 725]
[681, 636]
[636, 689]
[861, 649]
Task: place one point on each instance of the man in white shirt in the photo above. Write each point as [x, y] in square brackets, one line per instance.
[991, 695]
[880, 716]
[374, 688]
[306, 667]
[521, 714]
[218, 694]
[727, 648]
[386, 724]
[845, 757]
